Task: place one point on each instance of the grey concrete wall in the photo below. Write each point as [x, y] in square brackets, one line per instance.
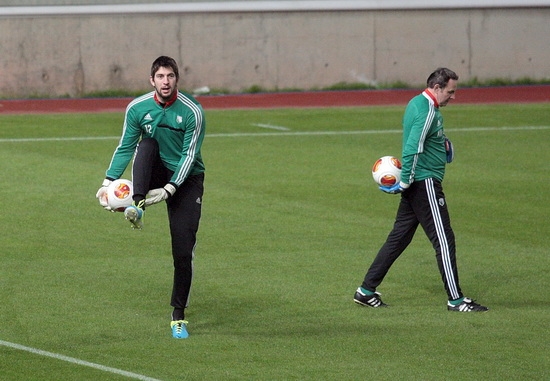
[74, 55]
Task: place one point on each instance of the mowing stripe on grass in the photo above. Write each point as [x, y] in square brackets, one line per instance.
[284, 133]
[77, 361]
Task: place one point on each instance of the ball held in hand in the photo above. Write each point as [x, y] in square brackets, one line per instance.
[386, 171]
[119, 194]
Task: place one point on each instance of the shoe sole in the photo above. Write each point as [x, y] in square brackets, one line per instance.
[453, 310]
[132, 216]
[368, 305]
[360, 303]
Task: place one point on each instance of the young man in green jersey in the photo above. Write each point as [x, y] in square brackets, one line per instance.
[425, 153]
[163, 132]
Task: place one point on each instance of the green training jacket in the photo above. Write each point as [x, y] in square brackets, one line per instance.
[423, 154]
[179, 129]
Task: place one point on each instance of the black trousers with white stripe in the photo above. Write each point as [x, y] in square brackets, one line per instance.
[422, 204]
[184, 213]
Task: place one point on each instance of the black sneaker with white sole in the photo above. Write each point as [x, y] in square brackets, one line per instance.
[467, 305]
[368, 300]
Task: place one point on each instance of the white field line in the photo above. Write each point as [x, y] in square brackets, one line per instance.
[270, 126]
[283, 133]
[76, 361]
[60, 139]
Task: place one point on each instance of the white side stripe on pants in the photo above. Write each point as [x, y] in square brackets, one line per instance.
[444, 245]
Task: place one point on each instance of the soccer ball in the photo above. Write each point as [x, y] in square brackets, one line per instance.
[386, 171]
[119, 194]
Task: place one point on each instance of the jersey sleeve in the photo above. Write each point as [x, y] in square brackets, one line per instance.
[192, 141]
[131, 134]
[416, 125]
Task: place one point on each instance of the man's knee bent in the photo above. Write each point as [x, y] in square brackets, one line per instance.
[148, 145]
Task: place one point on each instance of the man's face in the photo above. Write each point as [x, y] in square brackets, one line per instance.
[165, 83]
[445, 94]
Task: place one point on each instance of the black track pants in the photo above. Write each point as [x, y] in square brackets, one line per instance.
[423, 203]
[184, 212]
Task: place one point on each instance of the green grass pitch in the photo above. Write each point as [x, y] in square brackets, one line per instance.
[291, 220]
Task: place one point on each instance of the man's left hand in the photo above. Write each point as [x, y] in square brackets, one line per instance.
[160, 194]
[450, 150]
[394, 189]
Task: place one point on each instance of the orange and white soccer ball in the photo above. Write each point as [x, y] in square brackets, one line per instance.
[386, 171]
[119, 194]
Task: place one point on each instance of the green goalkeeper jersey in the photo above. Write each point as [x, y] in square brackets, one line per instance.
[178, 127]
[423, 153]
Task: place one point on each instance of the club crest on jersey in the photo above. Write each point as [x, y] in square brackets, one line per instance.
[179, 119]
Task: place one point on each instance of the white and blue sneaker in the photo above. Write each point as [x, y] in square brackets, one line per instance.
[134, 214]
[179, 329]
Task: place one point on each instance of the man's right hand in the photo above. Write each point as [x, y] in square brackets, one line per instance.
[394, 189]
[101, 195]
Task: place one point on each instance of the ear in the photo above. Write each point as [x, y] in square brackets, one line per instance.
[151, 81]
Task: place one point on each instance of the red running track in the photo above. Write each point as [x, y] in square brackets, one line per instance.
[482, 95]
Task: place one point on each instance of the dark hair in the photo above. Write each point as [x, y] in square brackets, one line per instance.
[441, 77]
[164, 61]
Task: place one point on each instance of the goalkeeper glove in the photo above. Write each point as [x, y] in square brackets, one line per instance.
[394, 189]
[101, 195]
[450, 150]
[160, 194]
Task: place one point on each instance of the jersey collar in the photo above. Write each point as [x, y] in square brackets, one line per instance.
[430, 95]
[170, 101]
